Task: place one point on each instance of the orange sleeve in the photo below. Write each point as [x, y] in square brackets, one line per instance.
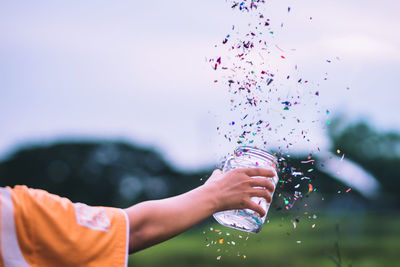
[53, 231]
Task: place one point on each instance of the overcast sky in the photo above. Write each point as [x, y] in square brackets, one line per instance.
[136, 70]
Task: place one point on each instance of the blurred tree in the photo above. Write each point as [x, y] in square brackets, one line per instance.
[121, 174]
[96, 173]
[377, 152]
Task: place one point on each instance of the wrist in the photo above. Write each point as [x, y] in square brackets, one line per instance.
[211, 193]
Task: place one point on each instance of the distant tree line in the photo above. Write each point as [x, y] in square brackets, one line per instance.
[377, 152]
[121, 174]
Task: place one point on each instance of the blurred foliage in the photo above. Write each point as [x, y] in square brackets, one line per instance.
[120, 174]
[377, 152]
[96, 173]
[369, 240]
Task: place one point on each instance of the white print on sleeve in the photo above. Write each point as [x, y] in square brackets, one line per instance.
[92, 217]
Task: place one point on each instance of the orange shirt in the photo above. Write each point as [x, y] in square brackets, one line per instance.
[41, 229]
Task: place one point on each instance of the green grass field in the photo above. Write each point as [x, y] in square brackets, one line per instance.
[364, 240]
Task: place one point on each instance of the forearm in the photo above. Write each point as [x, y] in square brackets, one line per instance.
[155, 221]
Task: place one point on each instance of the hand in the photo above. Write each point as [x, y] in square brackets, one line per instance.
[235, 188]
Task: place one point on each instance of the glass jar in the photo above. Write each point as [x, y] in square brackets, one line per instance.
[246, 219]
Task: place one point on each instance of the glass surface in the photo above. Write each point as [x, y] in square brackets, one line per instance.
[246, 219]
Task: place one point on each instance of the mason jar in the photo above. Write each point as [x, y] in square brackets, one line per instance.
[246, 219]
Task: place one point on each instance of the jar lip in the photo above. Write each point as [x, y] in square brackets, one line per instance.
[257, 151]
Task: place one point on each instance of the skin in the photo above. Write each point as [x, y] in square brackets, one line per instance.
[155, 221]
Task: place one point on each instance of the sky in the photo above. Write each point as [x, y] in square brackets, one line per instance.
[138, 70]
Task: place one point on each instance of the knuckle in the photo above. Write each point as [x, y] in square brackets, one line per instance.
[254, 192]
[238, 170]
[234, 171]
[249, 193]
[245, 183]
[248, 181]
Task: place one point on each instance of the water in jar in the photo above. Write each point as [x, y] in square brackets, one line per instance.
[246, 219]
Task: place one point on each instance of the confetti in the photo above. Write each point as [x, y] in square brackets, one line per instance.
[307, 161]
[310, 188]
[348, 190]
[270, 96]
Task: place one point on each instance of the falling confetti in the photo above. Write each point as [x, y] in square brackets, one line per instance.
[310, 188]
[307, 161]
[272, 101]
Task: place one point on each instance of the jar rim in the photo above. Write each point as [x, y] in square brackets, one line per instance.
[257, 151]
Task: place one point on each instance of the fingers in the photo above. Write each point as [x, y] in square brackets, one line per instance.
[264, 172]
[259, 192]
[257, 208]
[262, 182]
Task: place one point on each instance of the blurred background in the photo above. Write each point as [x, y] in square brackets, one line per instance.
[115, 103]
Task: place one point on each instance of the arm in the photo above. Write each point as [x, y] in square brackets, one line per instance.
[152, 222]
